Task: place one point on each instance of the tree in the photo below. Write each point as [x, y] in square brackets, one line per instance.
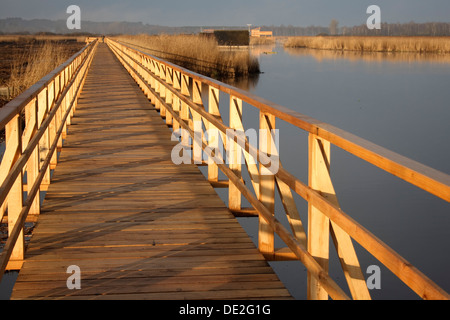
[333, 27]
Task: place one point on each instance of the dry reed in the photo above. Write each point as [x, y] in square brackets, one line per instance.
[197, 53]
[34, 63]
[256, 41]
[373, 44]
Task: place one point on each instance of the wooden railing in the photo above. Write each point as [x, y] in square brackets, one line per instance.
[35, 124]
[185, 98]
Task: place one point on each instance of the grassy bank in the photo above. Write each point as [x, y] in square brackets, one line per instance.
[373, 44]
[200, 54]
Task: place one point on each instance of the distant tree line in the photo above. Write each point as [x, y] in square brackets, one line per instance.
[387, 29]
[22, 26]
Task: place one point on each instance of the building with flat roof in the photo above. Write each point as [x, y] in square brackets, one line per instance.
[258, 33]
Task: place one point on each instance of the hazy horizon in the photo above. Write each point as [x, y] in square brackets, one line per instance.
[177, 13]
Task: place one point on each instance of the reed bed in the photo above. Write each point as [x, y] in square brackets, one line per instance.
[197, 53]
[373, 44]
[257, 41]
[34, 62]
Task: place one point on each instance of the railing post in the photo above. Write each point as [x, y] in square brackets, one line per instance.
[176, 101]
[197, 122]
[153, 81]
[318, 223]
[266, 235]
[184, 113]
[66, 104]
[58, 115]
[44, 143]
[185, 91]
[13, 134]
[33, 161]
[53, 125]
[213, 132]
[162, 89]
[235, 153]
[169, 95]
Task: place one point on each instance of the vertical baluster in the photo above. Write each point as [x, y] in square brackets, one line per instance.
[267, 183]
[44, 142]
[33, 161]
[198, 124]
[147, 77]
[169, 95]
[176, 101]
[234, 153]
[13, 133]
[67, 100]
[72, 98]
[213, 132]
[59, 113]
[153, 81]
[52, 126]
[157, 84]
[162, 88]
[318, 223]
[185, 91]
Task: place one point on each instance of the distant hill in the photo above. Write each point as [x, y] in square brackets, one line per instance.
[19, 25]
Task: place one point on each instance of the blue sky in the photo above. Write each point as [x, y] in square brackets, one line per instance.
[232, 12]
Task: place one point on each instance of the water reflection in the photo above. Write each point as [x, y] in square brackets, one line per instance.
[263, 50]
[322, 55]
[245, 83]
[391, 99]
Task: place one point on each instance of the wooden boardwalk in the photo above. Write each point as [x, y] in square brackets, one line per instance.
[137, 226]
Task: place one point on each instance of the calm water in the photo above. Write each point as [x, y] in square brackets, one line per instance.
[400, 102]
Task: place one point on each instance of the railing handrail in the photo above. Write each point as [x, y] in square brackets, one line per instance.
[385, 159]
[427, 178]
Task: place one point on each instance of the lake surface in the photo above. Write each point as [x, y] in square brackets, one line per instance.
[400, 102]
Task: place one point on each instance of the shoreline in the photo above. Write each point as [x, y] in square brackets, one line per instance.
[387, 44]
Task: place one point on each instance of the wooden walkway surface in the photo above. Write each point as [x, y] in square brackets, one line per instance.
[137, 226]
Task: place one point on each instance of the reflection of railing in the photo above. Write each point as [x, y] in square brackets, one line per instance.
[185, 98]
[47, 108]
